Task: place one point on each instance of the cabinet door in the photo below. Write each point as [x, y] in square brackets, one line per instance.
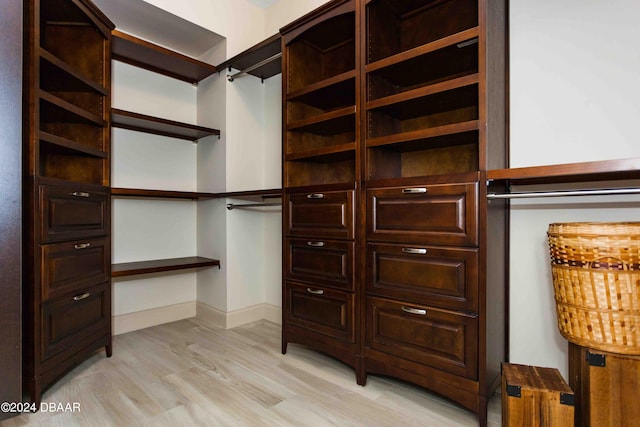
[321, 309]
[71, 266]
[320, 261]
[70, 213]
[321, 214]
[69, 319]
[439, 338]
[436, 214]
[446, 277]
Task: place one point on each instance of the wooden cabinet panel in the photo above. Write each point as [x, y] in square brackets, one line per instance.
[445, 277]
[71, 213]
[436, 214]
[442, 339]
[319, 261]
[323, 214]
[70, 266]
[70, 318]
[321, 309]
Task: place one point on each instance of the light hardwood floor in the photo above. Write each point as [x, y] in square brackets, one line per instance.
[190, 373]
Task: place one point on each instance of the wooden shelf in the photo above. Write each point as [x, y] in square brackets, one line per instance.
[161, 194]
[332, 153]
[329, 93]
[156, 266]
[440, 87]
[444, 42]
[330, 123]
[64, 145]
[253, 195]
[60, 110]
[63, 77]
[604, 170]
[154, 125]
[261, 52]
[140, 53]
[435, 132]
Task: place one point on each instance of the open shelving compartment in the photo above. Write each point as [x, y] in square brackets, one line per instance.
[421, 123]
[143, 54]
[320, 101]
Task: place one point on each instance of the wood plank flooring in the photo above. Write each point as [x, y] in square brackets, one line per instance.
[189, 373]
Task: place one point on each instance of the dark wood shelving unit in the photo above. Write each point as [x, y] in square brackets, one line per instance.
[161, 265]
[424, 134]
[603, 170]
[260, 53]
[335, 121]
[56, 108]
[161, 194]
[140, 53]
[61, 76]
[253, 195]
[328, 154]
[157, 126]
[64, 145]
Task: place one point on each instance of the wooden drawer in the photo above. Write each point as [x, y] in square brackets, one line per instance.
[321, 309]
[436, 214]
[445, 277]
[70, 318]
[323, 262]
[323, 214]
[441, 339]
[72, 213]
[71, 266]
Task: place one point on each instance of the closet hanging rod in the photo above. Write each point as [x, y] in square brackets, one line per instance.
[247, 70]
[564, 193]
[232, 206]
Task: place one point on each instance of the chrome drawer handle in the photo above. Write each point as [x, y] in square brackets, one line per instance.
[411, 310]
[81, 245]
[81, 297]
[414, 190]
[419, 251]
[315, 291]
[80, 194]
[315, 244]
[315, 196]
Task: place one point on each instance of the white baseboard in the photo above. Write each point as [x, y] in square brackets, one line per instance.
[228, 320]
[124, 323]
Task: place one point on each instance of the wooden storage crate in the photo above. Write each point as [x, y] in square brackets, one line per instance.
[535, 397]
[607, 387]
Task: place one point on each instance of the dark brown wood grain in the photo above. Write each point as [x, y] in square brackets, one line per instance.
[10, 207]
[156, 266]
[158, 126]
[260, 52]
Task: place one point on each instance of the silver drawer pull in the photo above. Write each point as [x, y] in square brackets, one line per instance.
[315, 196]
[315, 244]
[412, 310]
[315, 291]
[414, 190]
[80, 194]
[81, 245]
[419, 251]
[81, 297]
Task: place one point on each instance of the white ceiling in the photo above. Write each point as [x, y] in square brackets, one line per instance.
[263, 3]
[149, 22]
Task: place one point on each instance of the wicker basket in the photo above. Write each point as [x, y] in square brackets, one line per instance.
[596, 280]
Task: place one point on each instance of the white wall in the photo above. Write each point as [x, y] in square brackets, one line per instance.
[145, 229]
[574, 89]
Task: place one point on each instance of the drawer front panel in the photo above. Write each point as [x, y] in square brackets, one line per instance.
[442, 339]
[328, 214]
[321, 309]
[320, 261]
[71, 266]
[68, 213]
[70, 318]
[436, 214]
[443, 276]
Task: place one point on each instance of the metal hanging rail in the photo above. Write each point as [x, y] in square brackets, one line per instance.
[232, 206]
[241, 73]
[564, 193]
